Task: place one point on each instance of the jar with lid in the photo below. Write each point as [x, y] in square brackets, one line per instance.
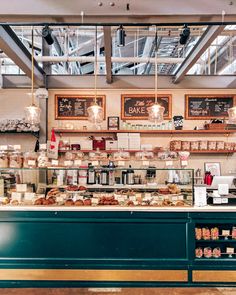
[42, 158]
[15, 159]
[30, 160]
[3, 159]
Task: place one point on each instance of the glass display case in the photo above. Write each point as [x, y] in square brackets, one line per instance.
[96, 186]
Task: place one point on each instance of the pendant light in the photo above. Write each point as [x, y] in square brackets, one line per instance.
[32, 112]
[156, 111]
[95, 112]
[232, 115]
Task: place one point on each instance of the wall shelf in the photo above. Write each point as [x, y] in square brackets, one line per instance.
[34, 133]
[78, 131]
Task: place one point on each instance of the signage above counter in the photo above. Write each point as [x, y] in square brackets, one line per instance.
[134, 106]
[74, 107]
[203, 107]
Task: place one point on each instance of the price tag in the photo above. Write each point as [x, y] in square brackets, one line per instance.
[29, 196]
[43, 146]
[3, 147]
[95, 201]
[147, 196]
[22, 188]
[200, 196]
[116, 196]
[146, 163]
[77, 162]
[31, 163]
[120, 199]
[95, 163]
[59, 199]
[132, 198]
[16, 196]
[229, 250]
[224, 200]
[175, 198]
[217, 201]
[121, 163]
[184, 163]
[169, 163]
[68, 163]
[225, 233]
[17, 147]
[54, 162]
[223, 189]
[138, 196]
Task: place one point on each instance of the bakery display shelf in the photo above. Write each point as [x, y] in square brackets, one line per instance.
[107, 151]
[58, 130]
[34, 133]
[216, 241]
[213, 152]
[95, 168]
[121, 186]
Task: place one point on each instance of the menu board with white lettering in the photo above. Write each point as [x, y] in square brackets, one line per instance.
[74, 107]
[134, 106]
[201, 107]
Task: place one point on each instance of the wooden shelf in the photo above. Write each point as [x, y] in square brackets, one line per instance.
[145, 131]
[34, 133]
[212, 152]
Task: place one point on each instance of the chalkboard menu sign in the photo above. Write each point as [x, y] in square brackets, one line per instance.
[74, 107]
[199, 107]
[134, 106]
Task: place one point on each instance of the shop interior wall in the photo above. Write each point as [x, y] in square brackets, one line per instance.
[13, 101]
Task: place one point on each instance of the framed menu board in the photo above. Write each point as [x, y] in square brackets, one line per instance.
[201, 107]
[74, 107]
[134, 106]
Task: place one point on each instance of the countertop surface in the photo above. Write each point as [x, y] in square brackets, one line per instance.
[120, 209]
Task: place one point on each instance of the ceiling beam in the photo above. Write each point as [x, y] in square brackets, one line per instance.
[108, 53]
[203, 43]
[17, 52]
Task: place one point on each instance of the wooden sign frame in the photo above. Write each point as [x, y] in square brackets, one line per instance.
[123, 96]
[188, 96]
[58, 117]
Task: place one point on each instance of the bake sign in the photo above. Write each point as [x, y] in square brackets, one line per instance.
[136, 106]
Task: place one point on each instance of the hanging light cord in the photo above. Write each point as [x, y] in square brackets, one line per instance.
[32, 66]
[156, 67]
[95, 67]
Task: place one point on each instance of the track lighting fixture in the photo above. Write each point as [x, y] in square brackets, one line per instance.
[120, 36]
[184, 35]
[47, 35]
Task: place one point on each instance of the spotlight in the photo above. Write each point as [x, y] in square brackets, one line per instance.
[184, 35]
[120, 36]
[47, 35]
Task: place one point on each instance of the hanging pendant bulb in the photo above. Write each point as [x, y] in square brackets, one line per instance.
[95, 112]
[32, 112]
[232, 115]
[156, 111]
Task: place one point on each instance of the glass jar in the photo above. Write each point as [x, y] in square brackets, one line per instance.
[207, 252]
[3, 159]
[206, 234]
[42, 159]
[198, 252]
[198, 233]
[216, 253]
[215, 233]
[30, 160]
[16, 159]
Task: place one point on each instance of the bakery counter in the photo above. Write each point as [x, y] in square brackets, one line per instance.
[111, 246]
[131, 209]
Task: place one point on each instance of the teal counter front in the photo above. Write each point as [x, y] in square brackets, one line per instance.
[52, 246]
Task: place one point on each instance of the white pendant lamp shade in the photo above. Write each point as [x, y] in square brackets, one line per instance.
[232, 115]
[32, 114]
[95, 114]
[156, 113]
